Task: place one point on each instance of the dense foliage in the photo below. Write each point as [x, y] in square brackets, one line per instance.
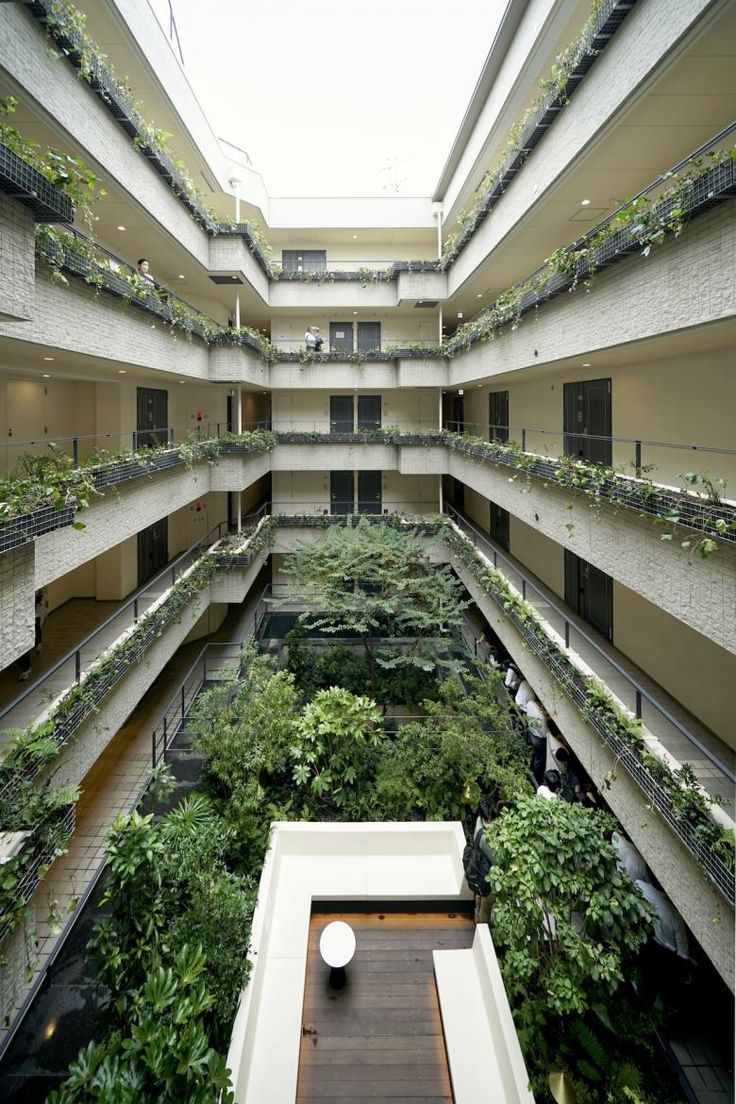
[374, 581]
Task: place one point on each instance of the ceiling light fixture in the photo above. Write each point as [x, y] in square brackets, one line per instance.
[585, 203]
[121, 371]
[355, 312]
[48, 358]
[182, 276]
[479, 295]
[459, 314]
[121, 228]
[355, 237]
[586, 364]
[47, 375]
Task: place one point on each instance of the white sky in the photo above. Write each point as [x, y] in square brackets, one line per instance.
[332, 97]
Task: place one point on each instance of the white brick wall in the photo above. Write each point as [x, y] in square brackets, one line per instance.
[74, 317]
[687, 282]
[46, 78]
[649, 35]
[229, 254]
[17, 601]
[17, 245]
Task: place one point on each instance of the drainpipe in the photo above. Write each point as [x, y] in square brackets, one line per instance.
[237, 310]
[439, 323]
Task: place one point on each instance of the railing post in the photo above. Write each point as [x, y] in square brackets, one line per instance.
[637, 459]
[183, 701]
[77, 665]
[135, 440]
[567, 634]
[523, 440]
[638, 704]
[135, 609]
[165, 735]
[153, 748]
[75, 452]
[495, 559]
[218, 429]
[523, 588]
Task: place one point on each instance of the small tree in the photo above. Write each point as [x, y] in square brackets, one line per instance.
[369, 580]
[565, 914]
[330, 741]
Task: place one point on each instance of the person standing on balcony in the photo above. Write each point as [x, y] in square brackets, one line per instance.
[144, 274]
[313, 340]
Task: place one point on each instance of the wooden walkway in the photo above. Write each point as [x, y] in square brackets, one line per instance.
[380, 1038]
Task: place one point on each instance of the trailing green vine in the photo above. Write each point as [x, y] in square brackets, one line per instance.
[688, 801]
[70, 175]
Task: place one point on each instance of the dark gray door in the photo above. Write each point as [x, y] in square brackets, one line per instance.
[369, 411]
[341, 337]
[453, 411]
[341, 413]
[588, 411]
[500, 525]
[369, 492]
[369, 336]
[590, 593]
[153, 417]
[341, 492]
[153, 550]
[498, 416]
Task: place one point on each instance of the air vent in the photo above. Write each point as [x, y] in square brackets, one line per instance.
[226, 280]
[427, 303]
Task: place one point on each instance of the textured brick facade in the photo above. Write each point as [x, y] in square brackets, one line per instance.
[17, 260]
[17, 595]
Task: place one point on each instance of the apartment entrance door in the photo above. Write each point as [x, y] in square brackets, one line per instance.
[369, 336]
[369, 411]
[153, 416]
[342, 495]
[341, 337]
[369, 492]
[153, 550]
[498, 416]
[341, 413]
[500, 525]
[587, 409]
[590, 593]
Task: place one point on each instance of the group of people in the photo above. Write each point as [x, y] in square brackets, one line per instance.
[557, 775]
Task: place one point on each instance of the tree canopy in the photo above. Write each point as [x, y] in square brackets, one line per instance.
[371, 580]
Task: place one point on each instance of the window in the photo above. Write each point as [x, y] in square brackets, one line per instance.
[304, 260]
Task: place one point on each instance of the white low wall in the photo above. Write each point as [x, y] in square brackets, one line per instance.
[357, 862]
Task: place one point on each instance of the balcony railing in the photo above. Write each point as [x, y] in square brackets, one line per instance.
[705, 755]
[23, 182]
[38, 851]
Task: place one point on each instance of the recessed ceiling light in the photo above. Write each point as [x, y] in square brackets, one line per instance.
[121, 371]
[459, 314]
[586, 364]
[479, 295]
[47, 375]
[121, 228]
[182, 381]
[48, 358]
[584, 202]
[355, 237]
[182, 276]
[355, 312]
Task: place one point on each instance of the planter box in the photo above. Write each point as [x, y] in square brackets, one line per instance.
[19, 530]
[26, 184]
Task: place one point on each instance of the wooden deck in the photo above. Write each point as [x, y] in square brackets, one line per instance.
[380, 1038]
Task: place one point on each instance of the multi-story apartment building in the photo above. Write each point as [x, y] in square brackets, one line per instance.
[575, 418]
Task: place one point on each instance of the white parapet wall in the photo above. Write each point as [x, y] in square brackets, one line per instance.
[339, 862]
